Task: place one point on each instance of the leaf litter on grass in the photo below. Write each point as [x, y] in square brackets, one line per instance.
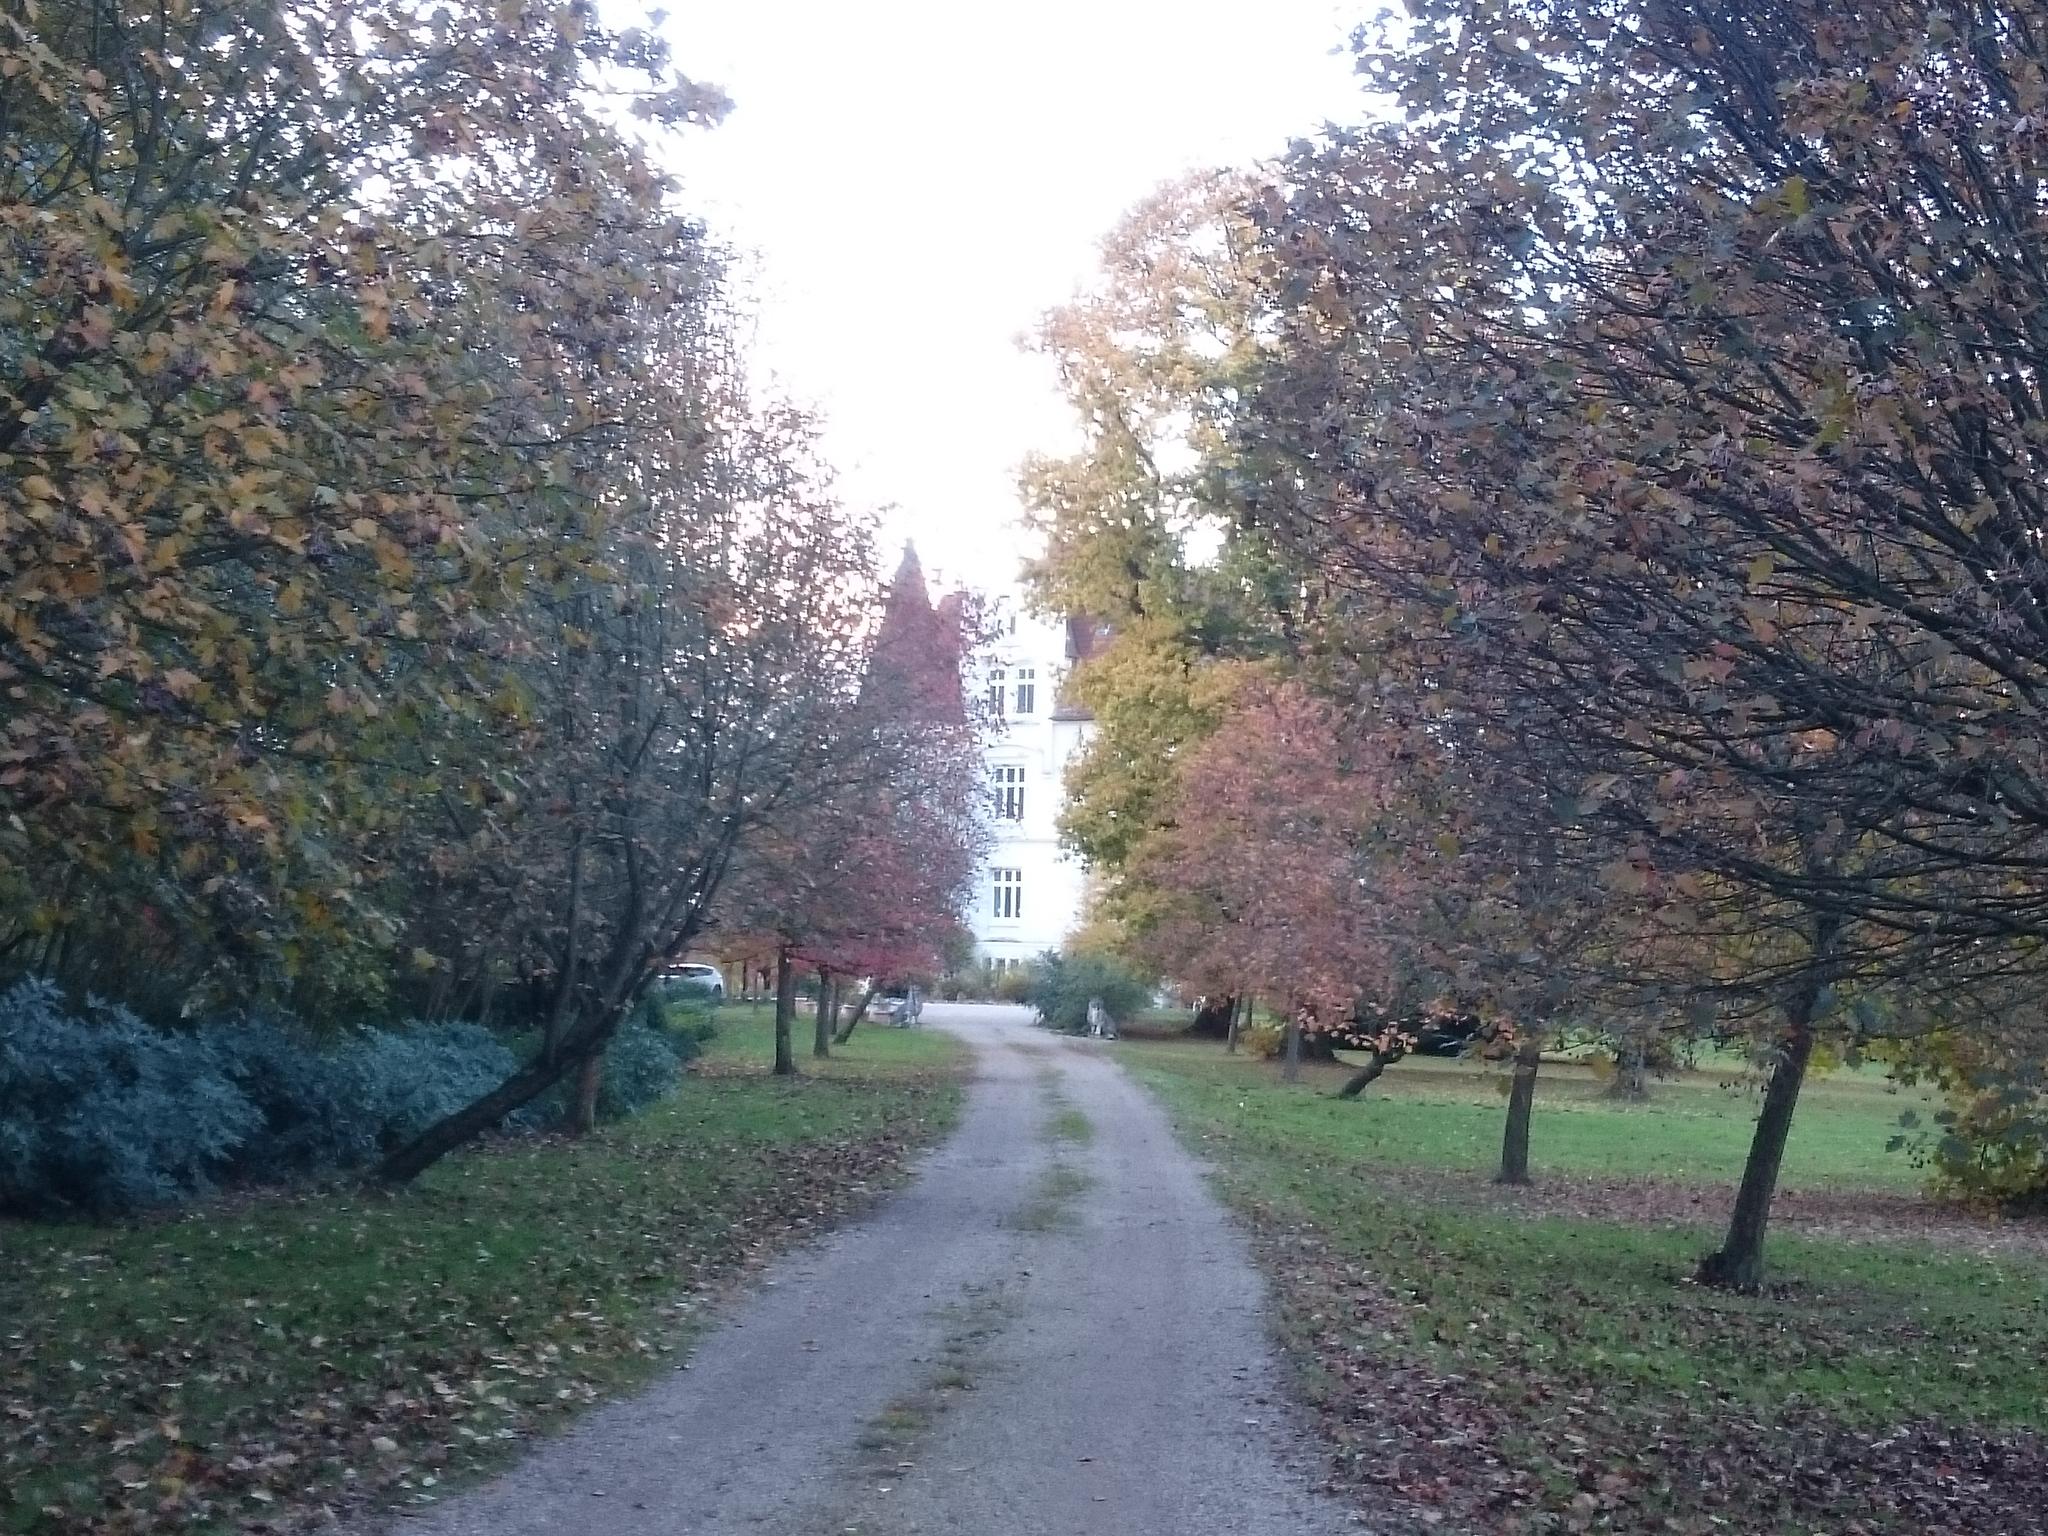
[1500, 1430]
[262, 1365]
[1535, 1360]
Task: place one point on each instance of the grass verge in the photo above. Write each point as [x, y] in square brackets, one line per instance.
[1434, 1112]
[258, 1363]
[1498, 1370]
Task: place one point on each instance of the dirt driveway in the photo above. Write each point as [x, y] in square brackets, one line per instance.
[1054, 1331]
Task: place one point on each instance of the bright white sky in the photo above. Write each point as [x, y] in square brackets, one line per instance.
[918, 181]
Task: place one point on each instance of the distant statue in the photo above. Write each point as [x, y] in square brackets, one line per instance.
[1100, 1025]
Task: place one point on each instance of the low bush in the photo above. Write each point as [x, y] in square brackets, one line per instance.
[1014, 986]
[1988, 1145]
[1264, 1038]
[642, 1066]
[340, 1104]
[309, 1104]
[101, 1113]
[1061, 985]
[687, 1014]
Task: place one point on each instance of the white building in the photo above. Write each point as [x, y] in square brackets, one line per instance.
[1031, 891]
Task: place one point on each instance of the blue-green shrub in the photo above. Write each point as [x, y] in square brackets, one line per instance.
[413, 1076]
[642, 1066]
[99, 1112]
[342, 1104]
[309, 1102]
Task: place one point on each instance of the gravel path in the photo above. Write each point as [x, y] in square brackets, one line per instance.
[1054, 1331]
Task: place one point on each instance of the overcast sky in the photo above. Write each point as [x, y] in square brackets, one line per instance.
[918, 182]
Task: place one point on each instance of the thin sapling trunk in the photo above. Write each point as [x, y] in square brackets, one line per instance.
[785, 1015]
[1514, 1142]
[583, 1104]
[821, 1031]
[1738, 1264]
[860, 1011]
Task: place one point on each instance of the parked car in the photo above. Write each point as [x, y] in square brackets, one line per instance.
[702, 978]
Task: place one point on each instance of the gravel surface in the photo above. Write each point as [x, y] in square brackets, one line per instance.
[1054, 1331]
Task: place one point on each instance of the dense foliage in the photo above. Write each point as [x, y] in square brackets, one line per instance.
[407, 609]
[1064, 982]
[1642, 416]
[102, 1113]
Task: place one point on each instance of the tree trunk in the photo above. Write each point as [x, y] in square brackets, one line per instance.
[583, 1103]
[1631, 1077]
[1240, 1010]
[1514, 1142]
[476, 1117]
[828, 1014]
[621, 980]
[1290, 1066]
[785, 1014]
[1738, 1264]
[860, 1011]
[1318, 1045]
[1213, 1019]
[1376, 1065]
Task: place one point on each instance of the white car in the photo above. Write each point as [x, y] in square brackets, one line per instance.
[702, 978]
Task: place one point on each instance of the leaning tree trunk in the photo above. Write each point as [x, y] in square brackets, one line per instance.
[785, 1014]
[860, 1011]
[1738, 1264]
[479, 1115]
[828, 1010]
[1383, 1057]
[1240, 1011]
[1514, 1142]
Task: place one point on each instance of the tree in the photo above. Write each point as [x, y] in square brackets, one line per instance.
[303, 314]
[867, 873]
[1283, 882]
[1153, 357]
[1160, 357]
[1662, 382]
[688, 715]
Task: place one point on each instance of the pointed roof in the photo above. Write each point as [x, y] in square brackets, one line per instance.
[915, 669]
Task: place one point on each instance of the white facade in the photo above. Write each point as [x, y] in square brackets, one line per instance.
[1030, 893]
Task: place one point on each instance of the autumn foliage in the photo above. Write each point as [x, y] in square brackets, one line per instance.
[1641, 416]
[406, 604]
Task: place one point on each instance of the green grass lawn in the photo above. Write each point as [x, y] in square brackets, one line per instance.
[1446, 1113]
[1603, 1390]
[211, 1370]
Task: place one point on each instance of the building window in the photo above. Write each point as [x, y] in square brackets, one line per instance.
[995, 692]
[1027, 690]
[1009, 887]
[1009, 792]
